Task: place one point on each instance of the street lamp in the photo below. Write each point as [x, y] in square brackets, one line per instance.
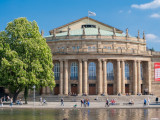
[34, 87]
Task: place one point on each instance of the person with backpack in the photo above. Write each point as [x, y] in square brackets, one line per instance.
[107, 103]
[62, 100]
[145, 101]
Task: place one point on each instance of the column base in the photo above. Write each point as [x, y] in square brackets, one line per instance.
[79, 95]
[60, 94]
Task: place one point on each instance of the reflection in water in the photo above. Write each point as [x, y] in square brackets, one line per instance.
[79, 114]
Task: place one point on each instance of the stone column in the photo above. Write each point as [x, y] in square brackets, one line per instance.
[85, 77]
[135, 77]
[123, 77]
[66, 77]
[61, 78]
[104, 77]
[148, 82]
[118, 77]
[99, 77]
[80, 77]
[139, 77]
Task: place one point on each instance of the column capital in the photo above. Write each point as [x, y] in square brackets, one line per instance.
[138, 61]
[66, 60]
[99, 60]
[85, 59]
[118, 60]
[80, 60]
[123, 60]
[135, 60]
[61, 60]
[104, 60]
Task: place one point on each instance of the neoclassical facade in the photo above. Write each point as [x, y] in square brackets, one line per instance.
[93, 58]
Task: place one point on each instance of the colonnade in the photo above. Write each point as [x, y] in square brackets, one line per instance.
[102, 77]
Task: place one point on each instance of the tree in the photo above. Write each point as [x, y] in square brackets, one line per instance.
[32, 53]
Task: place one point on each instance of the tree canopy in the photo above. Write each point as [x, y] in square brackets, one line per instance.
[25, 57]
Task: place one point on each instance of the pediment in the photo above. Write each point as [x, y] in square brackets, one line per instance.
[83, 21]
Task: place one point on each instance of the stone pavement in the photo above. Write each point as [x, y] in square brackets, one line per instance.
[69, 105]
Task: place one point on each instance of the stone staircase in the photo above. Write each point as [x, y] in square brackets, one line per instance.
[122, 98]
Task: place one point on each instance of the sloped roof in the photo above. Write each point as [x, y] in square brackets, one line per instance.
[117, 30]
[88, 31]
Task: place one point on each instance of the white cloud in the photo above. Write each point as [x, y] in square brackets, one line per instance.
[121, 11]
[155, 15]
[151, 36]
[152, 5]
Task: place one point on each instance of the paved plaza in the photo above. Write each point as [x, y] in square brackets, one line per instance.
[70, 105]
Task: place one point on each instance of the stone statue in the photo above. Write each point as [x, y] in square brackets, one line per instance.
[83, 31]
[138, 35]
[68, 32]
[42, 32]
[54, 33]
[127, 33]
[99, 33]
[144, 35]
[114, 32]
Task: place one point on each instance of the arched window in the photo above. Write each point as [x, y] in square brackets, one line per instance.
[92, 71]
[74, 71]
[127, 71]
[110, 72]
[56, 71]
[142, 72]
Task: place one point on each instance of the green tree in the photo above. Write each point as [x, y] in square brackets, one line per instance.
[33, 53]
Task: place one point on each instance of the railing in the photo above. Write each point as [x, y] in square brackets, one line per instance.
[102, 51]
[91, 77]
[109, 38]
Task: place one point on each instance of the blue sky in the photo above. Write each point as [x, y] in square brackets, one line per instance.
[132, 14]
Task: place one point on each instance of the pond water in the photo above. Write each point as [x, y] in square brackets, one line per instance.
[79, 114]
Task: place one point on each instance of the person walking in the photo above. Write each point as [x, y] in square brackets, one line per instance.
[11, 102]
[84, 103]
[62, 100]
[81, 102]
[148, 101]
[107, 103]
[88, 103]
[40, 100]
[145, 101]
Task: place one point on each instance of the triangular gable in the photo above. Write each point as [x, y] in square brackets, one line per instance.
[78, 23]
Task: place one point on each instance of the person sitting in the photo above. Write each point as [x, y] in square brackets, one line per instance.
[113, 102]
[75, 106]
[19, 102]
[131, 102]
[156, 99]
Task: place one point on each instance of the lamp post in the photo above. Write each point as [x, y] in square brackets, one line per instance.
[34, 95]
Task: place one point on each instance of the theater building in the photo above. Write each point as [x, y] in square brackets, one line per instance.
[93, 58]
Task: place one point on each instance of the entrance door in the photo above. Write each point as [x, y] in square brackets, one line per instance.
[110, 89]
[92, 89]
[56, 89]
[126, 88]
[2, 91]
[74, 89]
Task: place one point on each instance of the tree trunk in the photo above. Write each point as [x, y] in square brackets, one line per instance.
[15, 96]
[26, 94]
